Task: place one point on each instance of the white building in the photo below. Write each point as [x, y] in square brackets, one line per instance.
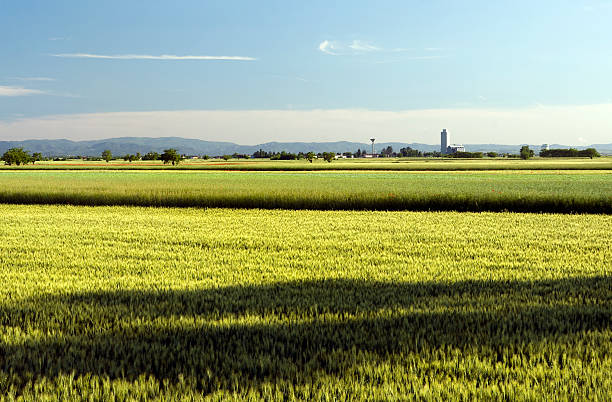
[454, 148]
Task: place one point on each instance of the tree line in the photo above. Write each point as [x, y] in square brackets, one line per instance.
[571, 152]
[17, 156]
[168, 156]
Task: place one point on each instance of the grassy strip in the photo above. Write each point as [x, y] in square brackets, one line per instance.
[143, 303]
[562, 192]
[462, 203]
[394, 164]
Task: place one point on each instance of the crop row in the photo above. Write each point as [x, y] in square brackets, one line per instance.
[562, 191]
[394, 164]
[142, 303]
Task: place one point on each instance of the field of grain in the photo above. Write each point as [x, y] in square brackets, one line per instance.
[129, 302]
[521, 191]
[398, 164]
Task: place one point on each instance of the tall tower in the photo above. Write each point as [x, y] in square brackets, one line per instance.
[372, 139]
[444, 141]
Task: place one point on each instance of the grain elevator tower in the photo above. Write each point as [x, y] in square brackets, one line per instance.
[444, 142]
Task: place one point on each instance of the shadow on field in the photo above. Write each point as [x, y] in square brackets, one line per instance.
[461, 201]
[293, 331]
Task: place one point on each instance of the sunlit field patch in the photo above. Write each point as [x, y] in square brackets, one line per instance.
[172, 303]
[395, 164]
[521, 191]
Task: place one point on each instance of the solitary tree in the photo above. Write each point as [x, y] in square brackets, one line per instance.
[310, 156]
[171, 156]
[329, 156]
[526, 153]
[387, 152]
[36, 156]
[107, 155]
[16, 156]
[591, 152]
[227, 157]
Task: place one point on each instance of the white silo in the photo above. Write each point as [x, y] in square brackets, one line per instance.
[444, 141]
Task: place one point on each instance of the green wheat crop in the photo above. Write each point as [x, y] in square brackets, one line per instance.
[397, 164]
[123, 303]
[538, 191]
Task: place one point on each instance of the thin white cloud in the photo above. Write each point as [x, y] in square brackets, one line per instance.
[530, 125]
[362, 46]
[19, 91]
[328, 47]
[32, 78]
[56, 38]
[150, 57]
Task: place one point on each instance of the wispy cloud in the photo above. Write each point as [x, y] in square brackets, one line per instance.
[328, 47]
[362, 47]
[150, 57]
[19, 91]
[338, 48]
[32, 78]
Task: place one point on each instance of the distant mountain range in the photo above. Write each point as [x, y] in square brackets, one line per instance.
[187, 146]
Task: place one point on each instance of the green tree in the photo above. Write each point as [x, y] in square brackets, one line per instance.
[171, 156]
[526, 153]
[310, 156]
[591, 152]
[16, 156]
[227, 157]
[492, 154]
[329, 156]
[150, 156]
[107, 155]
[36, 156]
[387, 152]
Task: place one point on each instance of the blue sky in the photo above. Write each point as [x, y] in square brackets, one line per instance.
[249, 71]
